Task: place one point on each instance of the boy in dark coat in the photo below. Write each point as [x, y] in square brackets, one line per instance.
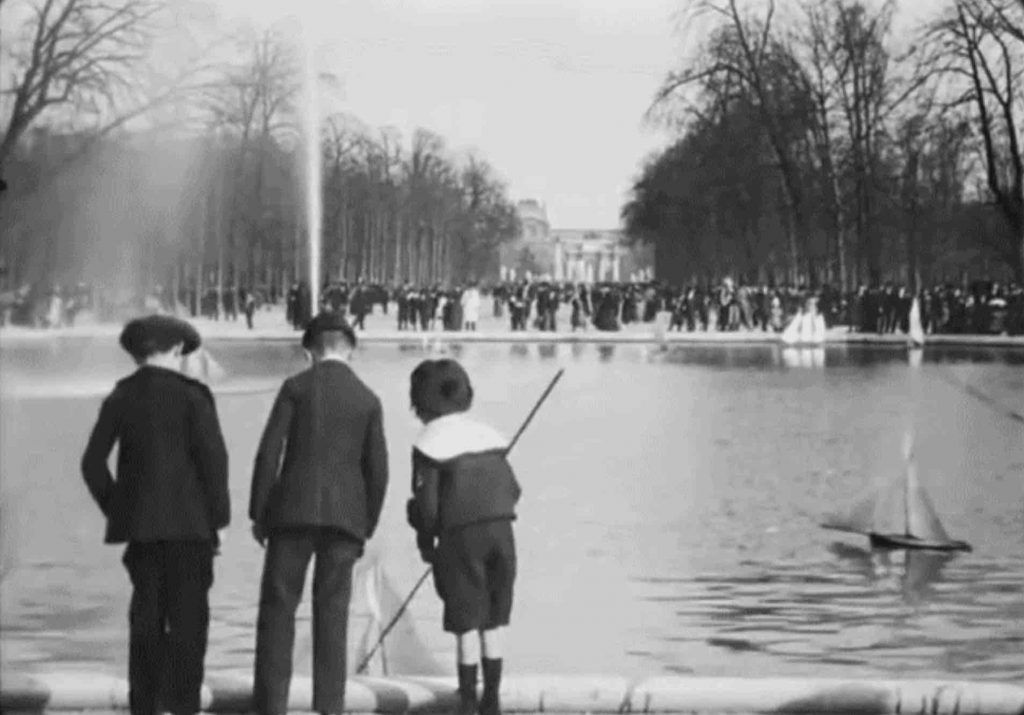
[463, 505]
[318, 488]
[168, 502]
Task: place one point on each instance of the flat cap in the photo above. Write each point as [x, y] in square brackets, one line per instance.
[150, 334]
[324, 322]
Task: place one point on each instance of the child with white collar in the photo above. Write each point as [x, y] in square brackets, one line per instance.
[463, 506]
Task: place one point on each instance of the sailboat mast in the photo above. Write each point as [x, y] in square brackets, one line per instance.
[906, 504]
[908, 453]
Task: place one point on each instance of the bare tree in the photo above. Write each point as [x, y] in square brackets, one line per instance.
[86, 57]
[744, 54]
[253, 107]
[980, 45]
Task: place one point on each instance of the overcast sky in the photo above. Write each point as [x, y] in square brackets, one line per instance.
[551, 92]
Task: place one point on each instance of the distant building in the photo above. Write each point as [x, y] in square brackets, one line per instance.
[574, 255]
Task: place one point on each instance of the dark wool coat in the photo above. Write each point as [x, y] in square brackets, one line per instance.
[460, 476]
[322, 461]
[172, 464]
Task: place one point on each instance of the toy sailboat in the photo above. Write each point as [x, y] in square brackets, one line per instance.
[898, 516]
[915, 334]
[404, 651]
[806, 328]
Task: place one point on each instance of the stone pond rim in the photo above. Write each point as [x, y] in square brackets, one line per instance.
[89, 692]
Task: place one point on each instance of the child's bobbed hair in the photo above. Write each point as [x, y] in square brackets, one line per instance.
[438, 388]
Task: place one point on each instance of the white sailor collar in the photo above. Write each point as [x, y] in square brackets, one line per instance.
[452, 435]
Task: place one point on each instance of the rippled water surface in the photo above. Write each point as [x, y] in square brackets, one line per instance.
[669, 519]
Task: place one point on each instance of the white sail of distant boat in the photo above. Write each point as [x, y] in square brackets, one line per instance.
[816, 329]
[806, 328]
[915, 334]
[898, 514]
[791, 335]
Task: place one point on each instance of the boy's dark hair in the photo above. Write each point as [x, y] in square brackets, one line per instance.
[333, 340]
[440, 387]
[328, 331]
[144, 337]
[417, 382]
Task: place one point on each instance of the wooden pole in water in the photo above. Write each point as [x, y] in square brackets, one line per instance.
[423, 577]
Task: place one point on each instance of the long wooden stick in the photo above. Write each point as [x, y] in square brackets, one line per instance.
[423, 577]
[977, 394]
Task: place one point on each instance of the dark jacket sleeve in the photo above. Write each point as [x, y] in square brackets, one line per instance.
[211, 457]
[375, 467]
[268, 455]
[426, 482]
[94, 465]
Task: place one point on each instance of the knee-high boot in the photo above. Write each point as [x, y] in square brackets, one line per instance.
[490, 703]
[467, 689]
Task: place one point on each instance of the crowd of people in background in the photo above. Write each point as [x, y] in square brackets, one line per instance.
[984, 307]
[981, 307]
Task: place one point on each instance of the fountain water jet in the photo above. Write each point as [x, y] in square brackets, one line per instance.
[311, 137]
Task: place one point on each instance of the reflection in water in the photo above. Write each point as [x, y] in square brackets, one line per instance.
[881, 616]
[803, 357]
[917, 569]
[606, 352]
[547, 351]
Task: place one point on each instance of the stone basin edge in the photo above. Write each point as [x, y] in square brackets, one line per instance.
[89, 692]
[15, 336]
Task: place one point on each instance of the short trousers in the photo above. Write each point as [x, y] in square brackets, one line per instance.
[474, 574]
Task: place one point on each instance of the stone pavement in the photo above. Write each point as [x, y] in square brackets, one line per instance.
[553, 693]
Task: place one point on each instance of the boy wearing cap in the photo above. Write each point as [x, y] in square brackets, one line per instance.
[168, 502]
[463, 505]
[318, 488]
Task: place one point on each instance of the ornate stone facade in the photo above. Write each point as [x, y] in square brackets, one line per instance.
[571, 255]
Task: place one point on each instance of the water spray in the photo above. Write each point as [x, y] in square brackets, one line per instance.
[311, 136]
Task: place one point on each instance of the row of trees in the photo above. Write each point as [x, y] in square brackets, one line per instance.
[817, 145]
[196, 179]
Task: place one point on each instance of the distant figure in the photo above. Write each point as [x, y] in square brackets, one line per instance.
[292, 306]
[250, 307]
[360, 306]
[55, 309]
[402, 298]
[318, 487]
[463, 505]
[471, 307]
[168, 502]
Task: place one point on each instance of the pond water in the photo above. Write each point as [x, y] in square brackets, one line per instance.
[669, 523]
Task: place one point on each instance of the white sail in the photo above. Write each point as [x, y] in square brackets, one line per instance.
[879, 510]
[806, 328]
[818, 328]
[403, 651]
[922, 521]
[791, 335]
[858, 520]
[916, 332]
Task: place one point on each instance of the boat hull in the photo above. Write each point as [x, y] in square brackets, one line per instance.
[905, 541]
